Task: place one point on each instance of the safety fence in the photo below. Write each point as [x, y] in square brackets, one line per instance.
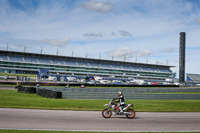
[109, 93]
[40, 91]
[26, 89]
[49, 93]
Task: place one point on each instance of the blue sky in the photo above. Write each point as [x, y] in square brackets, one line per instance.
[137, 30]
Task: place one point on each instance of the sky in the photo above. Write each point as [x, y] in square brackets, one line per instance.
[142, 31]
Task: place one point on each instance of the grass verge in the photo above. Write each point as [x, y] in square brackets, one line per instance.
[12, 99]
[12, 74]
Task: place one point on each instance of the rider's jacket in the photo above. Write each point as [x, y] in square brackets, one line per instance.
[121, 100]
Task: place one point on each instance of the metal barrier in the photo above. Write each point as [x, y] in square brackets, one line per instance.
[129, 93]
[48, 93]
[26, 89]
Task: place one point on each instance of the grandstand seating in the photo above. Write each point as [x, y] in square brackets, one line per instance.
[162, 70]
[3, 57]
[153, 69]
[82, 66]
[71, 63]
[145, 69]
[194, 77]
[105, 65]
[116, 66]
[168, 70]
[30, 59]
[94, 64]
[57, 62]
[126, 67]
[15, 58]
[80, 63]
[43, 60]
[135, 68]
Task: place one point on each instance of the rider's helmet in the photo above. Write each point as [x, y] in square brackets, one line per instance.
[119, 93]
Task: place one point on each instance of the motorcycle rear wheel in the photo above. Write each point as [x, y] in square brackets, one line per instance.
[132, 115]
[106, 113]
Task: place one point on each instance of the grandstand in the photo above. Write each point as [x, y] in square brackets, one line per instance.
[32, 63]
[195, 78]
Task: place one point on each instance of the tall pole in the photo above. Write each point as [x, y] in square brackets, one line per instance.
[7, 46]
[124, 58]
[41, 50]
[100, 56]
[182, 58]
[25, 48]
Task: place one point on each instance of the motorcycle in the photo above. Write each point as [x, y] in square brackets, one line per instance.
[107, 112]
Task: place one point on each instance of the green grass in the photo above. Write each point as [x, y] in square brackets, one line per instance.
[11, 74]
[12, 99]
[35, 131]
[171, 93]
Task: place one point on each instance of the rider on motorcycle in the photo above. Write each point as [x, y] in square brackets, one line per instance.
[121, 101]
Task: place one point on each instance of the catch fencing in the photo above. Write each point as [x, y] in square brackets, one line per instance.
[135, 94]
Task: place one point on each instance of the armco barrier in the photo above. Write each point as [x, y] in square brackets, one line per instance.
[134, 96]
[126, 90]
[26, 89]
[109, 93]
[49, 93]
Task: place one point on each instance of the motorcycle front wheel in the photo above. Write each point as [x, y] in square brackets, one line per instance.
[106, 113]
[131, 115]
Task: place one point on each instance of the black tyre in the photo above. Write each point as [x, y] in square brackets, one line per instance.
[106, 113]
[131, 115]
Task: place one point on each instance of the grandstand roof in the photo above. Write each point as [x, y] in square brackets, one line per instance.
[3, 52]
[193, 77]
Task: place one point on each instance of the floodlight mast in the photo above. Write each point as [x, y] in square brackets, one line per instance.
[182, 58]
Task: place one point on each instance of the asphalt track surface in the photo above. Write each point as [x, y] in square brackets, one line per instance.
[61, 120]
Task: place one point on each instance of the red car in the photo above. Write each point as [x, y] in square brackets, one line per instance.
[155, 83]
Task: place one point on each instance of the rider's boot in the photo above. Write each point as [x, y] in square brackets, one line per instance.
[121, 111]
[116, 112]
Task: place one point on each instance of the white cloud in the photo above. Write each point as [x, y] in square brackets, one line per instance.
[93, 34]
[124, 33]
[121, 53]
[98, 6]
[168, 50]
[128, 53]
[114, 33]
[58, 42]
[144, 53]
